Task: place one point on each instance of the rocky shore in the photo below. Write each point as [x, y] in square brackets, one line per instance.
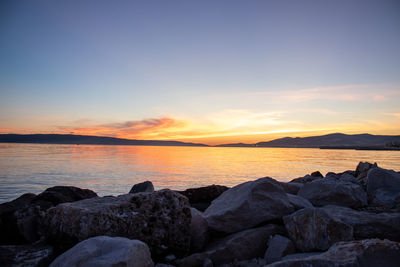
[340, 219]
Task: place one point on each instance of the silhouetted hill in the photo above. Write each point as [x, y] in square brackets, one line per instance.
[336, 140]
[85, 140]
[236, 145]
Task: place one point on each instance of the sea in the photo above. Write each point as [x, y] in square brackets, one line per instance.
[113, 169]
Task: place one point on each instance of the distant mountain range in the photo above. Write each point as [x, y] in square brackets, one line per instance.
[85, 140]
[335, 141]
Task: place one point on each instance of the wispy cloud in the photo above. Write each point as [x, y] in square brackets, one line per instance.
[128, 129]
[346, 93]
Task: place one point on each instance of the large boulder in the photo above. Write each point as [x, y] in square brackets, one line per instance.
[106, 251]
[366, 224]
[20, 219]
[161, 219]
[369, 252]
[244, 245]
[362, 171]
[278, 247]
[314, 229]
[382, 179]
[198, 231]
[247, 205]
[37, 255]
[330, 191]
[201, 197]
[61, 194]
[146, 186]
[299, 202]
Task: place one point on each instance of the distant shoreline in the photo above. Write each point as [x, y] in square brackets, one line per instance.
[217, 146]
[329, 141]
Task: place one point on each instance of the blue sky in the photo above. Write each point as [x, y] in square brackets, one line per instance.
[244, 69]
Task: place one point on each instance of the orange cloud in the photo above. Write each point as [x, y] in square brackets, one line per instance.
[130, 129]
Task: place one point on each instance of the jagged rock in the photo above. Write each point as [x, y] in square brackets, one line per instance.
[278, 247]
[369, 252]
[299, 202]
[314, 229]
[362, 171]
[106, 251]
[330, 191]
[244, 245]
[292, 187]
[26, 255]
[198, 231]
[382, 179]
[21, 218]
[161, 219]
[247, 205]
[366, 224]
[200, 198]
[305, 179]
[146, 186]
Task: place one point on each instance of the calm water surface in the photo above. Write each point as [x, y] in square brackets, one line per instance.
[112, 170]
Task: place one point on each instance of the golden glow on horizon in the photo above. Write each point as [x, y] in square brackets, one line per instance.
[350, 109]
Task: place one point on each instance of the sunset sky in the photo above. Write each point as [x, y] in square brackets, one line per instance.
[217, 71]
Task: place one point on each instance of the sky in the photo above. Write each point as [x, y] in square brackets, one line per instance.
[220, 71]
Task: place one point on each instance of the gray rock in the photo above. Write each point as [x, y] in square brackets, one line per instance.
[382, 179]
[146, 186]
[161, 219]
[278, 247]
[366, 224]
[299, 202]
[362, 171]
[247, 205]
[244, 245]
[291, 188]
[330, 191]
[314, 229]
[20, 219]
[198, 231]
[26, 255]
[370, 252]
[106, 251]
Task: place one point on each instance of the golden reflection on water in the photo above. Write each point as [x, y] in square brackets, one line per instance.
[114, 169]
